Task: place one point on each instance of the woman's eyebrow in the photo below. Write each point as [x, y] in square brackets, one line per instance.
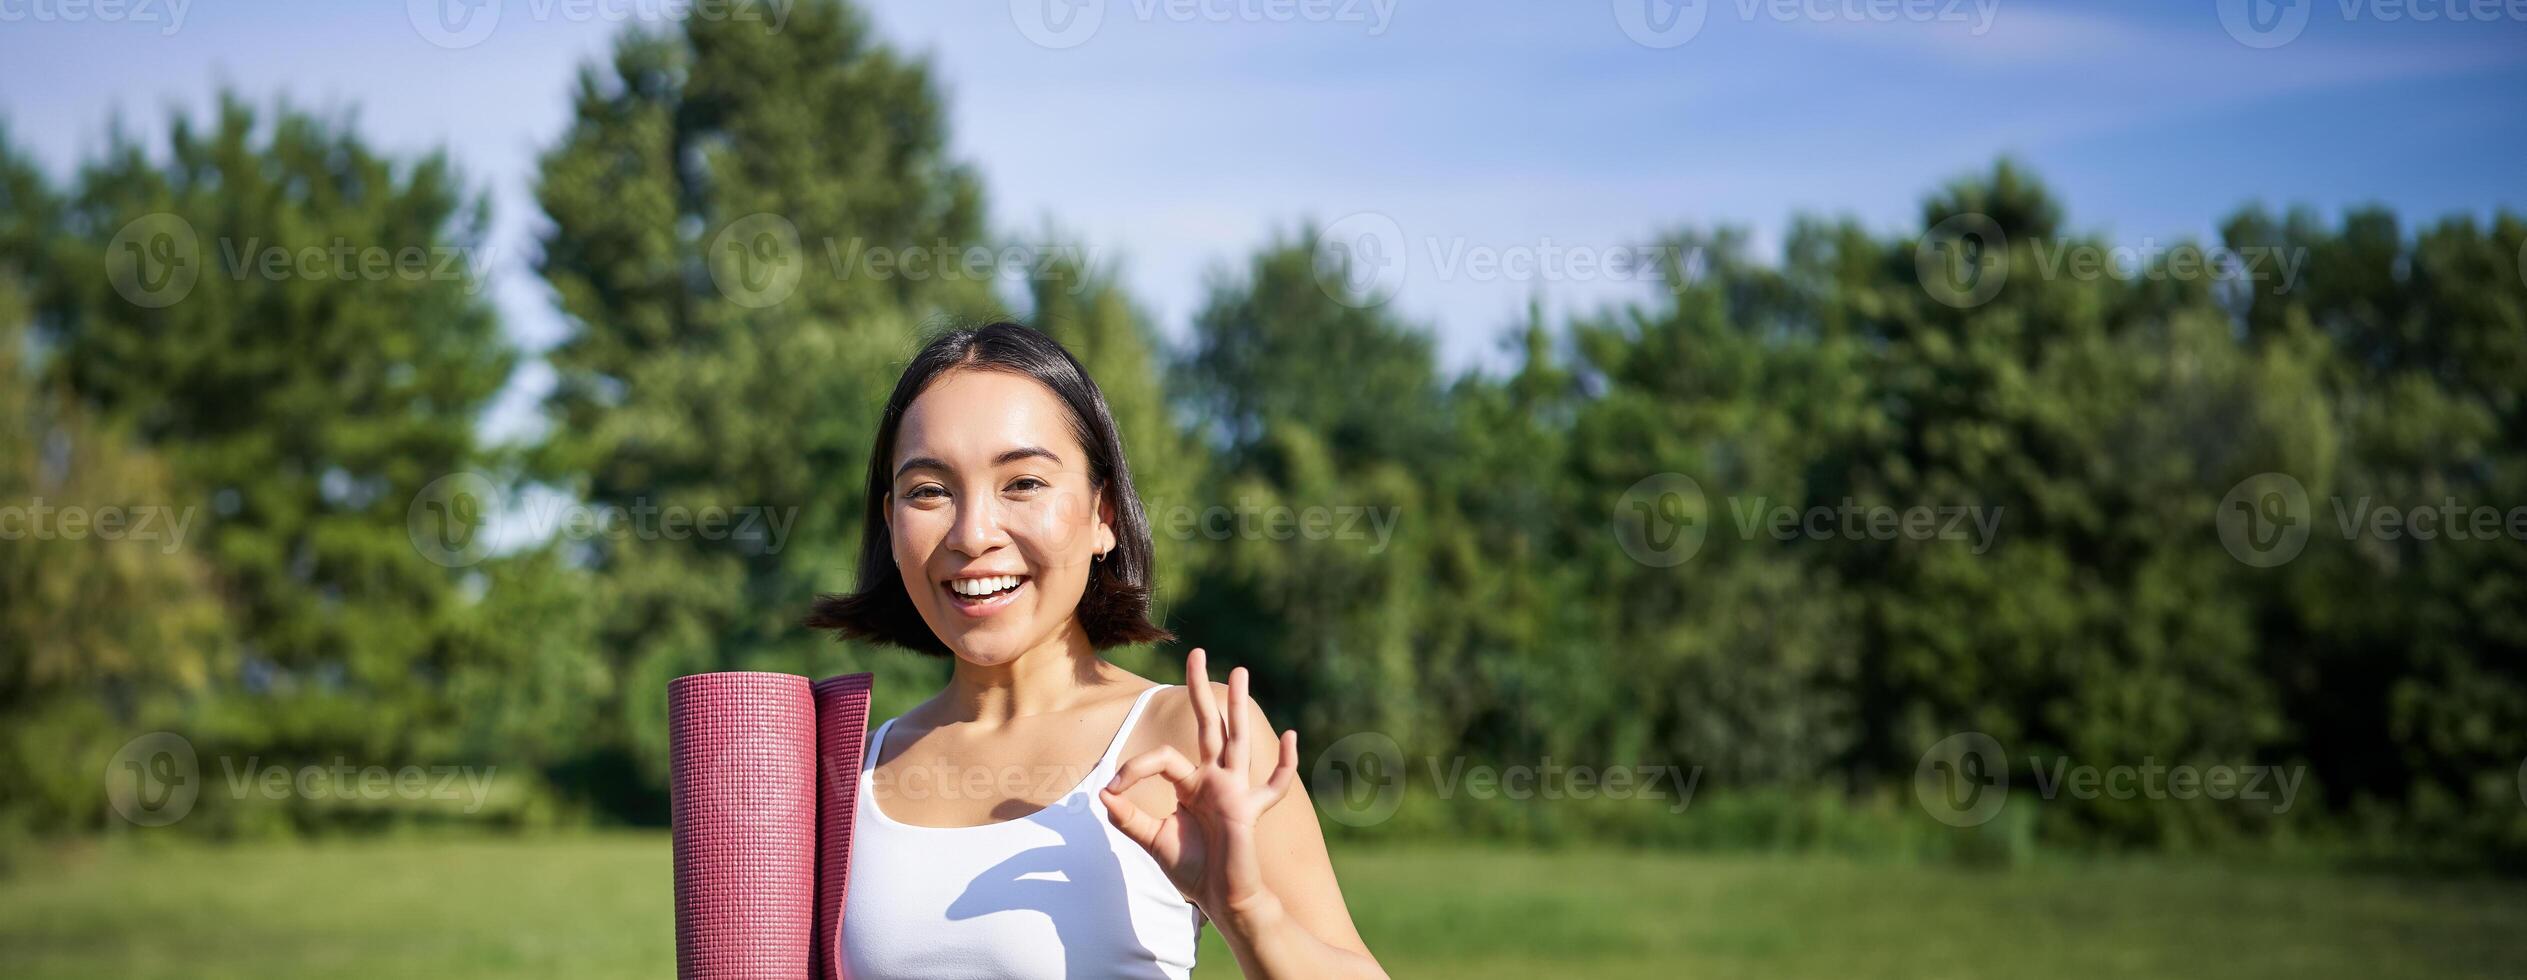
[1026, 452]
[1004, 459]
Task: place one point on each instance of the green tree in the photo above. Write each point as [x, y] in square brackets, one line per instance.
[1274, 346]
[102, 637]
[2412, 697]
[749, 228]
[294, 322]
[1315, 401]
[1733, 655]
[2100, 419]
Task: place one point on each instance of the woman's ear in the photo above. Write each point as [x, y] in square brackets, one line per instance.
[1105, 521]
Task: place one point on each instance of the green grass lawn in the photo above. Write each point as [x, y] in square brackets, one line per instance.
[598, 907]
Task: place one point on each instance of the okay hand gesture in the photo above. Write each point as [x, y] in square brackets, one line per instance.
[1207, 846]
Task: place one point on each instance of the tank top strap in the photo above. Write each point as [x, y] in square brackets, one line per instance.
[1113, 758]
[877, 740]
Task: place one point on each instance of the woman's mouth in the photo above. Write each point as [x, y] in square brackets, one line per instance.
[985, 595]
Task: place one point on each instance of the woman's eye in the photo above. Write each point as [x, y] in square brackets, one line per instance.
[1027, 484]
[926, 491]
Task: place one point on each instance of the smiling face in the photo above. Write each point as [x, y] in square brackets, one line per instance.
[992, 514]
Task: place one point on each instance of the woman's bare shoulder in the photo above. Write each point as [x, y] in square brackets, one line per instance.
[1168, 720]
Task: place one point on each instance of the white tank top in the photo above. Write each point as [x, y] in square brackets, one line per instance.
[1057, 893]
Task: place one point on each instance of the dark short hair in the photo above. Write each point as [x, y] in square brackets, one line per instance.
[1115, 608]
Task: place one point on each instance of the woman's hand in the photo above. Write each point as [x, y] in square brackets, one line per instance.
[1207, 846]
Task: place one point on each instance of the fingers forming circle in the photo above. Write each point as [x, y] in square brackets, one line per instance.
[1162, 761]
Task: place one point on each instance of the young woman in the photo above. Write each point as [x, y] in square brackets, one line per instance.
[1049, 814]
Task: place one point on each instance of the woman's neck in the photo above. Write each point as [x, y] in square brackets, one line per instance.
[1050, 677]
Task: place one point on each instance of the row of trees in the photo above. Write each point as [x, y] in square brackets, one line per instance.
[1511, 614]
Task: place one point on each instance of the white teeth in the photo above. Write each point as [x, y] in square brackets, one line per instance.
[983, 586]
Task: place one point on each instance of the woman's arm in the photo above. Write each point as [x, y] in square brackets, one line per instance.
[1301, 926]
[1242, 839]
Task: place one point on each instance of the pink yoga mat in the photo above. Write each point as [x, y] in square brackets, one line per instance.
[743, 748]
[765, 774]
[842, 728]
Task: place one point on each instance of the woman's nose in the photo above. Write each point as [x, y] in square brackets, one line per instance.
[977, 528]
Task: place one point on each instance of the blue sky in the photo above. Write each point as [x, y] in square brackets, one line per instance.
[1174, 136]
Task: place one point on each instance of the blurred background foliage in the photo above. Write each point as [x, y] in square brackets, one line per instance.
[2101, 418]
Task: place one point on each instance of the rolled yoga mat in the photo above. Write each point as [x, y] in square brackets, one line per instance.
[742, 747]
[766, 773]
[842, 728]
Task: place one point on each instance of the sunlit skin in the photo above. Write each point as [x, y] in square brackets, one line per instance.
[989, 479]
